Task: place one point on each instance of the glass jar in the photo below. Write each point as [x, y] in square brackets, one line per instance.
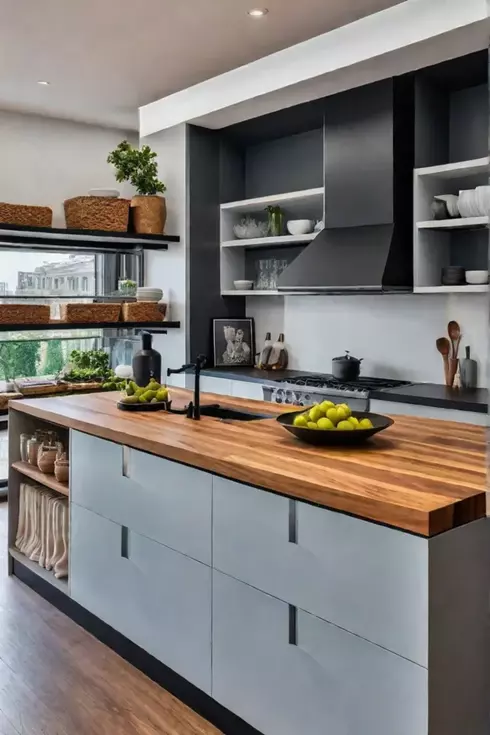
[24, 455]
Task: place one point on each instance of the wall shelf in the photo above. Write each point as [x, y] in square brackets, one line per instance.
[56, 239]
[266, 242]
[251, 292]
[462, 223]
[28, 470]
[480, 288]
[287, 200]
[456, 170]
[57, 324]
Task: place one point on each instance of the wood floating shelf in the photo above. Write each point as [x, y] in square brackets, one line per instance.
[61, 584]
[33, 473]
[58, 324]
[52, 238]
[262, 242]
[463, 223]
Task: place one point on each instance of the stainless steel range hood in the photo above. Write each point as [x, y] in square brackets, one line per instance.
[350, 259]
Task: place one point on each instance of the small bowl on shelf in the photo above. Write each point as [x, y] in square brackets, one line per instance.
[248, 229]
[243, 285]
[148, 293]
[452, 275]
[106, 193]
[476, 277]
[451, 202]
[300, 226]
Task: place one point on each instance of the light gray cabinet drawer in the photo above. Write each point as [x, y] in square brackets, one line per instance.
[156, 597]
[368, 579]
[287, 676]
[164, 500]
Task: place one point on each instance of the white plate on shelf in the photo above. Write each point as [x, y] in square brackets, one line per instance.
[483, 200]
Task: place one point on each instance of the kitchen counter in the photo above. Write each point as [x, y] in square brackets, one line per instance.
[420, 394]
[420, 475]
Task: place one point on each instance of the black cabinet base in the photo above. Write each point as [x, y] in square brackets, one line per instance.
[193, 697]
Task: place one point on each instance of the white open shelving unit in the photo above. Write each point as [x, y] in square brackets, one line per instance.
[432, 238]
[305, 204]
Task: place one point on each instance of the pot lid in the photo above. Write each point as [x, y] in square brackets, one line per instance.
[346, 358]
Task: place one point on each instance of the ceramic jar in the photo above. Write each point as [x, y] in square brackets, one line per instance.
[46, 458]
[33, 445]
[62, 470]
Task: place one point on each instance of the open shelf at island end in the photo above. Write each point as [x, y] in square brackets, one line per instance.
[33, 473]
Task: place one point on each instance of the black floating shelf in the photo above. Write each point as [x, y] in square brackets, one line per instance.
[159, 327]
[52, 238]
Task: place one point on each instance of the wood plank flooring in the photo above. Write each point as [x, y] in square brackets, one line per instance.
[56, 679]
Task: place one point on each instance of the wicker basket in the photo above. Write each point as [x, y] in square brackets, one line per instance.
[25, 214]
[142, 311]
[97, 213]
[24, 314]
[6, 397]
[90, 313]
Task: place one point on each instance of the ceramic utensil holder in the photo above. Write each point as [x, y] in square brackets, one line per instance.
[46, 458]
[62, 470]
[451, 371]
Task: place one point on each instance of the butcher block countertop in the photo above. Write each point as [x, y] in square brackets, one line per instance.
[420, 475]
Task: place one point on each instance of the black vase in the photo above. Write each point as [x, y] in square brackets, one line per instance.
[147, 363]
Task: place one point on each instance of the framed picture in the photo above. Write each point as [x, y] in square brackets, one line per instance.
[234, 342]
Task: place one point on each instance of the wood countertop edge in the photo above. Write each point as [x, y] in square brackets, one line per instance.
[442, 516]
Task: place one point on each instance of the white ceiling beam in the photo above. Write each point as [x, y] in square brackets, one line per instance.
[408, 36]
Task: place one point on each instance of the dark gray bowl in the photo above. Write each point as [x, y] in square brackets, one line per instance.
[332, 438]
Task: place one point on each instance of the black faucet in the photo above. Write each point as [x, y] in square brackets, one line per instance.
[193, 410]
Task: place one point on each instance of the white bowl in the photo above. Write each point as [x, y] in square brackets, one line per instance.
[243, 285]
[468, 204]
[476, 277]
[148, 294]
[483, 200]
[451, 201]
[108, 193]
[300, 226]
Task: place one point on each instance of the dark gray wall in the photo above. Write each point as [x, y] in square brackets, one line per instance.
[431, 124]
[286, 164]
[205, 188]
[468, 123]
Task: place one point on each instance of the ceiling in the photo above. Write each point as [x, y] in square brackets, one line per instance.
[105, 58]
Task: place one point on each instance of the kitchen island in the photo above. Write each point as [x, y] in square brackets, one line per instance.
[279, 586]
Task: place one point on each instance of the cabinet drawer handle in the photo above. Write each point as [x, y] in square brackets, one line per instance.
[125, 542]
[125, 461]
[293, 522]
[293, 625]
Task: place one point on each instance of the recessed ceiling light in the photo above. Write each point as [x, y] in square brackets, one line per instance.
[43, 83]
[258, 12]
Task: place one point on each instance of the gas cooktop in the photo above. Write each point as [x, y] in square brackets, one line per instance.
[362, 384]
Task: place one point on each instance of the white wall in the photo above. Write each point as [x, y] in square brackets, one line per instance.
[45, 160]
[394, 334]
[168, 269]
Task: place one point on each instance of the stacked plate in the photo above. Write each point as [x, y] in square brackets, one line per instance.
[148, 293]
[474, 202]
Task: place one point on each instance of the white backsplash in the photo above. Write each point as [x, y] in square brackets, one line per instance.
[395, 334]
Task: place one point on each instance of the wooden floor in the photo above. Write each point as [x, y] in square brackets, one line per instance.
[56, 679]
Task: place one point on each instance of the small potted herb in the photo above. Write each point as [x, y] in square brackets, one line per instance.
[127, 287]
[139, 167]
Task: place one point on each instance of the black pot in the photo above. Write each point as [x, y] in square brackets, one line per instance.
[346, 368]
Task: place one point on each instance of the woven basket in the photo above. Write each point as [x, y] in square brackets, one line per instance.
[97, 213]
[142, 311]
[25, 214]
[90, 313]
[6, 397]
[24, 313]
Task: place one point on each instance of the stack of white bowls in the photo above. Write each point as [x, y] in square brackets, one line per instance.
[148, 293]
[474, 202]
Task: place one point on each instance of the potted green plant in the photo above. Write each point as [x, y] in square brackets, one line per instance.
[139, 167]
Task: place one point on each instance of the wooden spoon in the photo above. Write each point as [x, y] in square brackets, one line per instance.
[454, 332]
[443, 346]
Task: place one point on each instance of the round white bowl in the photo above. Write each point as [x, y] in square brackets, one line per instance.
[300, 226]
[148, 294]
[108, 193]
[476, 277]
[243, 285]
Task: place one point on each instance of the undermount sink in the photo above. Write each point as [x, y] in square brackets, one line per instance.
[219, 412]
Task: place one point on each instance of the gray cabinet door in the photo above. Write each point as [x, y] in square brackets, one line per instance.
[287, 676]
[156, 597]
[368, 579]
[164, 500]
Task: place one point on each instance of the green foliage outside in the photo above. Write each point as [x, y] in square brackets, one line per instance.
[138, 166]
[54, 360]
[19, 359]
